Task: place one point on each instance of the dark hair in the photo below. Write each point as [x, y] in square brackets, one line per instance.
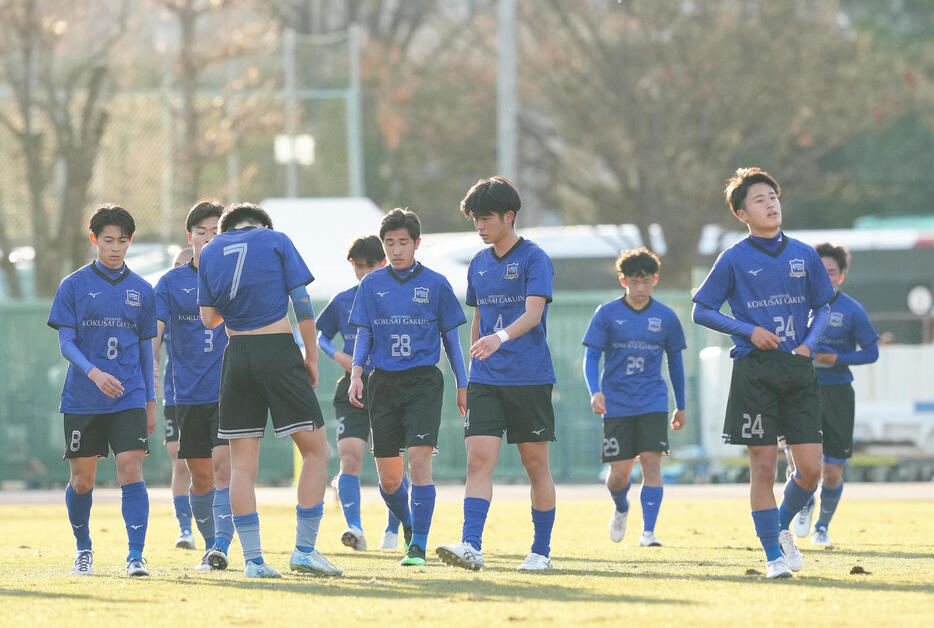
[112, 215]
[837, 252]
[496, 195]
[401, 219]
[637, 262]
[367, 248]
[238, 212]
[204, 208]
[738, 186]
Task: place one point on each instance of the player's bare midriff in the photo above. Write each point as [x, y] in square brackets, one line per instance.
[281, 326]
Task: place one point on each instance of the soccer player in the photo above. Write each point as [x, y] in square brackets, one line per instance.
[196, 353]
[404, 312]
[848, 339]
[633, 333]
[246, 276]
[353, 424]
[509, 286]
[105, 316]
[773, 284]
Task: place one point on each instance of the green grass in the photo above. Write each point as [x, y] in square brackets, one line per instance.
[701, 576]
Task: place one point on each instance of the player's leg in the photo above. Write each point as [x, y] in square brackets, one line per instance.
[391, 472]
[195, 444]
[422, 502]
[763, 463]
[181, 481]
[350, 449]
[618, 484]
[651, 495]
[831, 491]
[85, 443]
[202, 503]
[129, 440]
[534, 456]
[838, 409]
[220, 508]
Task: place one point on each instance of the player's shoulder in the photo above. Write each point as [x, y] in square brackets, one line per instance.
[345, 295]
[137, 281]
[609, 307]
[431, 275]
[77, 276]
[849, 302]
[374, 278]
[662, 309]
[800, 248]
[533, 251]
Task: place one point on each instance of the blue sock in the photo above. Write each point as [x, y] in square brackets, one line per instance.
[306, 531]
[79, 514]
[348, 490]
[543, 521]
[829, 498]
[202, 508]
[135, 506]
[423, 507]
[766, 522]
[398, 503]
[796, 498]
[651, 498]
[475, 511]
[619, 497]
[392, 521]
[223, 519]
[182, 512]
[248, 530]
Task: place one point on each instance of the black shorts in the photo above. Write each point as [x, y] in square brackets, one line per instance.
[405, 408]
[523, 413]
[772, 394]
[88, 435]
[624, 438]
[352, 422]
[837, 411]
[171, 428]
[197, 426]
[261, 375]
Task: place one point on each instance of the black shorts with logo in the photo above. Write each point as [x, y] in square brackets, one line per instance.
[88, 435]
[352, 422]
[838, 407]
[266, 374]
[404, 408]
[171, 428]
[197, 425]
[626, 437]
[523, 413]
[772, 394]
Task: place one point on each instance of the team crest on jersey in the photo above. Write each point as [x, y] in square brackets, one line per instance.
[836, 319]
[655, 324]
[132, 298]
[512, 270]
[421, 295]
[797, 268]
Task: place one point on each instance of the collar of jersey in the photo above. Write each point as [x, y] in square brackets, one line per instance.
[191, 265]
[509, 252]
[835, 297]
[634, 310]
[103, 275]
[778, 251]
[411, 274]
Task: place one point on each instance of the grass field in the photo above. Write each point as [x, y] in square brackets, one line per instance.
[710, 571]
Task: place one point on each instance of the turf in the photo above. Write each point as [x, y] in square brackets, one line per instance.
[710, 571]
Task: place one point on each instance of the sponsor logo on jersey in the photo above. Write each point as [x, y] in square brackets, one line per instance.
[188, 290]
[481, 272]
[755, 273]
[655, 324]
[512, 270]
[132, 298]
[620, 321]
[797, 268]
[836, 319]
[776, 299]
[93, 294]
[382, 294]
[421, 295]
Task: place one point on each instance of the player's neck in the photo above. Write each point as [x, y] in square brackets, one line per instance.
[104, 265]
[768, 234]
[505, 244]
[636, 303]
[196, 258]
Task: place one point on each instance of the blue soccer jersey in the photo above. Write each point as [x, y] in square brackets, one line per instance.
[847, 328]
[334, 319]
[406, 313]
[633, 343]
[195, 352]
[111, 317]
[168, 391]
[247, 275]
[498, 288]
[775, 291]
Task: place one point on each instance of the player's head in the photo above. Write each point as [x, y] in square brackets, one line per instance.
[241, 215]
[752, 195]
[638, 271]
[400, 232]
[201, 223]
[836, 260]
[112, 230]
[493, 205]
[366, 255]
[183, 257]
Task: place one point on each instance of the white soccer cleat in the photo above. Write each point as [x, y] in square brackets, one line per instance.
[84, 563]
[819, 537]
[778, 568]
[205, 564]
[185, 540]
[313, 562]
[536, 562]
[618, 525]
[255, 570]
[790, 550]
[390, 540]
[353, 538]
[136, 567]
[461, 555]
[648, 539]
[802, 521]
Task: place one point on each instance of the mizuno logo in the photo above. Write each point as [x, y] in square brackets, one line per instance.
[188, 290]
[382, 294]
[650, 503]
[201, 520]
[76, 527]
[137, 526]
[754, 273]
[348, 505]
[422, 436]
[143, 440]
[538, 432]
[620, 322]
[416, 503]
[93, 294]
[481, 272]
[224, 516]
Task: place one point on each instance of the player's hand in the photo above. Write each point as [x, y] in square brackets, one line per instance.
[485, 347]
[802, 350]
[355, 392]
[311, 365]
[106, 383]
[462, 400]
[826, 358]
[677, 419]
[344, 359]
[150, 417]
[598, 403]
[764, 339]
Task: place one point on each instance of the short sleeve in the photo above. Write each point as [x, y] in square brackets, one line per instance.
[359, 316]
[327, 322]
[596, 334]
[295, 271]
[205, 296]
[147, 322]
[63, 307]
[471, 289]
[675, 340]
[163, 311]
[717, 286]
[540, 276]
[452, 314]
[864, 332]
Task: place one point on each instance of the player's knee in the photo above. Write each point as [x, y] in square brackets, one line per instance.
[480, 463]
[81, 484]
[536, 467]
[351, 464]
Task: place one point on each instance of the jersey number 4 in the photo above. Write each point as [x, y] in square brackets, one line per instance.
[785, 329]
[752, 426]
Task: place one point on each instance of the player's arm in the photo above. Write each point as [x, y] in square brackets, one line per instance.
[361, 353]
[475, 326]
[718, 321]
[210, 316]
[452, 347]
[327, 345]
[864, 355]
[592, 379]
[149, 382]
[157, 348]
[676, 375]
[819, 318]
[105, 382]
[487, 345]
[305, 316]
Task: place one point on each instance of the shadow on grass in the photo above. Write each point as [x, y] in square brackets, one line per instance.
[46, 595]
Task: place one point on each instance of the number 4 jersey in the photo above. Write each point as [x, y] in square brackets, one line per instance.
[111, 317]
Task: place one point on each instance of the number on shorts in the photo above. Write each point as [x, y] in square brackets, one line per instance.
[240, 250]
[401, 345]
[635, 364]
[785, 329]
[112, 346]
[340, 425]
[75, 443]
[610, 447]
[752, 426]
[208, 340]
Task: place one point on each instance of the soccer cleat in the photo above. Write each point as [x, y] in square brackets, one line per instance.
[536, 562]
[390, 540]
[461, 555]
[313, 562]
[414, 557]
[217, 559]
[353, 538]
[205, 564]
[136, 567]
[819, 537]
[185, 540]
[618, 525]
[257, 570]
[84, 563]
[778, 568]
[407, 539]
[648, 539]
[802, 521]
[789, 549]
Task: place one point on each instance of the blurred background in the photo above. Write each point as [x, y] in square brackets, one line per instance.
[619, 120]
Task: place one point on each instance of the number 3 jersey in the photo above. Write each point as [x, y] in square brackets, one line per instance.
[195, 351]
[498, 288]
[632, 342]
[775, 291]
[111, 317]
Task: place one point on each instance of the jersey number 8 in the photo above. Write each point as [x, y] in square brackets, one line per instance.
[401, 345]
